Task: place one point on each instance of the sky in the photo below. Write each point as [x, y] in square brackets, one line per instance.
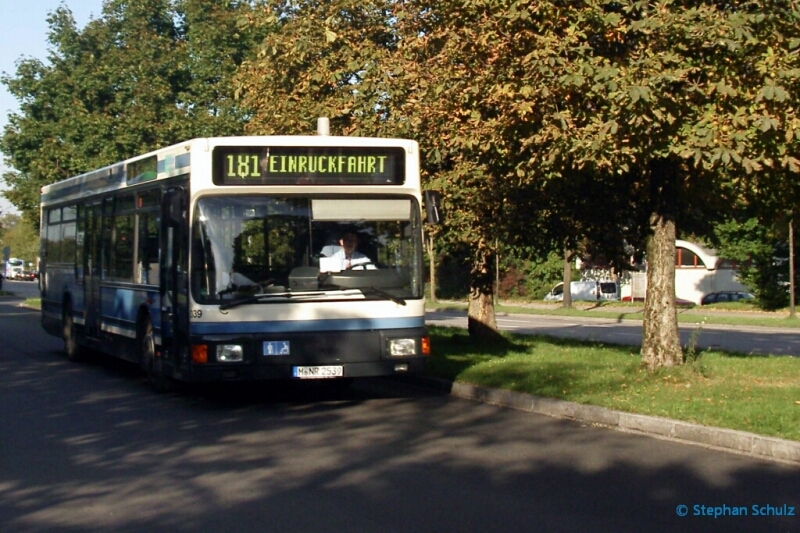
[23, 25]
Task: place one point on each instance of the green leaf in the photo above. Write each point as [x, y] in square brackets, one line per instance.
[792, 163]
[781, 95]
[723, 88]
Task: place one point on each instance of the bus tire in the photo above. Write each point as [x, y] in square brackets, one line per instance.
[147, 355]
[71, 347]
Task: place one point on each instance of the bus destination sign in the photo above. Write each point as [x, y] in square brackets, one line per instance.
[318, 165]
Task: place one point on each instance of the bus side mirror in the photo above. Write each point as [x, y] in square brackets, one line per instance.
[433, 200]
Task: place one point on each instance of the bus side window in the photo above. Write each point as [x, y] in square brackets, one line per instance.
[53, 253]
[148, 268]
[121, 267]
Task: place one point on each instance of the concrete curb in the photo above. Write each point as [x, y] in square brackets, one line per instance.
[726, 439]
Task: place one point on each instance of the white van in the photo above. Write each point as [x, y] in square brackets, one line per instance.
[586, 291]
[14, 268]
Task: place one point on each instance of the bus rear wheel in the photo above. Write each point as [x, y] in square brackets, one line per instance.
[152, 367]
[71, 346]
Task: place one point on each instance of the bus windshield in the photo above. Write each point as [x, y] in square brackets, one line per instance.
[318, 247]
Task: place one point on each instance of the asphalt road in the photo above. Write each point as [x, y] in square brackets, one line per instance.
[23, 289]
[740, 339]
[89, 448]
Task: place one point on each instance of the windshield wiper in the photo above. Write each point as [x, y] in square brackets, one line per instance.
[373, 290]
[255, 298]
[393, 298]
[258, 298]
[237, 288]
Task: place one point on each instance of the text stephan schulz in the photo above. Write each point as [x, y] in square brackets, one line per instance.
[754, 510]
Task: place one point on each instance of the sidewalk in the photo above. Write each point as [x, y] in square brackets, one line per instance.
[697, 310]
[608, 307]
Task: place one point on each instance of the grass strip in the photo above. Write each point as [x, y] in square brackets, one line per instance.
[758, 394]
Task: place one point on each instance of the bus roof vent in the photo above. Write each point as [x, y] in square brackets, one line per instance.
[323, 126]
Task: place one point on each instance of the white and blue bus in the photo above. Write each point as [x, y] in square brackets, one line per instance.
[215, 259]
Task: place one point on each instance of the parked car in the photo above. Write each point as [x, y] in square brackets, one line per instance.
[725, 296]
[585, 290]
[27, 275]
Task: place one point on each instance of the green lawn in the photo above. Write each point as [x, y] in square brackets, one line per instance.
[758, 394]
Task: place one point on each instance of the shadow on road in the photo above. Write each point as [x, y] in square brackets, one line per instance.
[89, 448]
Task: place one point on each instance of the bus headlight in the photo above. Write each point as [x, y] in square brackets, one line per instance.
[230, 353]
[402, 347]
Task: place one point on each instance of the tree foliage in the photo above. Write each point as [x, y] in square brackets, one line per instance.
[216, 44]
[459, 71]
[146, 74]
[318, 58]
[762, 256]
[684, 100]
[20, 237]
[548, 126]
[677, 100]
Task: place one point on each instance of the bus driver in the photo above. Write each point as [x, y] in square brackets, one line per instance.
[348, 255]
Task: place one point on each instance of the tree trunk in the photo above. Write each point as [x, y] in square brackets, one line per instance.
[481, 320]
[661, 346]
[567, 279]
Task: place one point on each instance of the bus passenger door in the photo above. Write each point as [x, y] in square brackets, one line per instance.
[174, 278]
[92, 268]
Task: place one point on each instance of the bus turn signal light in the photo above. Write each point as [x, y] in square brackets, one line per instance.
[425, 345]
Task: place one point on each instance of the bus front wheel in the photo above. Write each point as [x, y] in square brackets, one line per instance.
[150, 363]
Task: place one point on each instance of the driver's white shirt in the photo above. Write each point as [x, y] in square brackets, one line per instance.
[356, 258]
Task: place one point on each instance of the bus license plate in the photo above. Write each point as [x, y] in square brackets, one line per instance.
[318, 372]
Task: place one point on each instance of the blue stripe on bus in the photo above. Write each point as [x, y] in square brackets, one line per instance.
[299, 326]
